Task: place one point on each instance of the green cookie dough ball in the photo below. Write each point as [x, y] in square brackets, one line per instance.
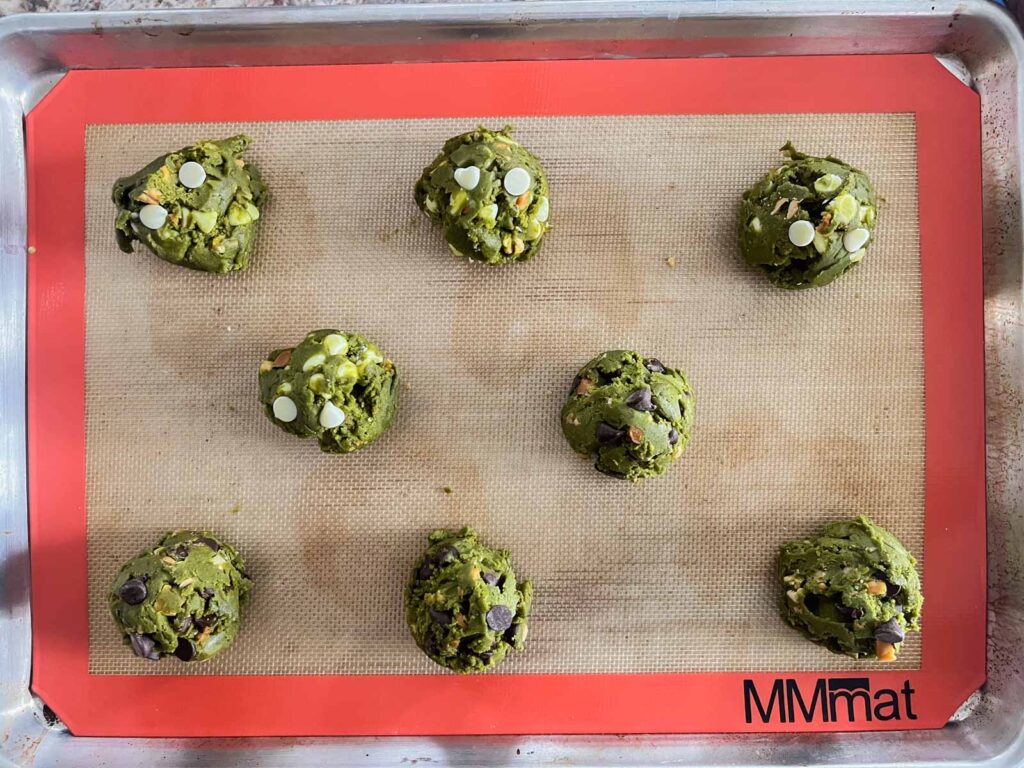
[196, 207]
[334, 386]
[490, 195]
[808, 221]
[183, 597]
[853, 589]
[630, 413]
[463, 604]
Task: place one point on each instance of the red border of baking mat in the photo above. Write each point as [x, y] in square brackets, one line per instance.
[949, 168]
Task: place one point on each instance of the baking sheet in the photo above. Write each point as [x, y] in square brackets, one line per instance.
[810, 405]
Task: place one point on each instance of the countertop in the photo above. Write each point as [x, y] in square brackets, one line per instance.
[21, 6]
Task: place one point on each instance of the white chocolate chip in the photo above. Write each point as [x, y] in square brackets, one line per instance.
[347, 370]
[192, 175]
[313, 361]
[335, 344]
[801, 233]
[543, 209]
[467, 178]
[331, 416]
[517, 181]
[285, 410]
[856, 239]
[153, 216]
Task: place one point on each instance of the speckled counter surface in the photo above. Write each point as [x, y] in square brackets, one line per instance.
[20, 6]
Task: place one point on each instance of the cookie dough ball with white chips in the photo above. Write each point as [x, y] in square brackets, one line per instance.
[490, 196]
[337, 387]
[809, 221]
[197, 207]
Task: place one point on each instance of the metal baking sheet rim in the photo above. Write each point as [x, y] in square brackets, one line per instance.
[988, 729]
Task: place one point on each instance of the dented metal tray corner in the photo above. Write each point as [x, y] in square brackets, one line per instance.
[974, 38]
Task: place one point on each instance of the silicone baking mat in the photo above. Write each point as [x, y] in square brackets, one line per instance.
[811, 405]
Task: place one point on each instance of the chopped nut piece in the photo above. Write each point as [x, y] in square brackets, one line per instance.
[779, 205]
[794, 206]
[636, 435]
[876, 587]
[584, 386]
[885, 651]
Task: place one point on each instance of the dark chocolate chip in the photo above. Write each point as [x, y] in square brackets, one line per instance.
[608, 435]
[144, 646]
[207, 541]
[890, 632]
[673, 436]
[606, 471]
[185, 650]
[850, 613]
[206, 592]
[184, 625]
[499, 618]
[485, 656]
[432, 644]
[202, 622]
[490, 578]
[654, 366]
[640, 400]
[133, 591]
[443, 556]
[425, 571]
[892, 590]
[444, 618]
[180, 552]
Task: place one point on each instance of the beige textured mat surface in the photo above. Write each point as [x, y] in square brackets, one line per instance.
[810, 405]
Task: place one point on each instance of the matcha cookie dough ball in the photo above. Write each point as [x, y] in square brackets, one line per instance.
[182, 597]
[630, 413]
[808, 221]
[334, 386]
[463, 604]
[489, 194]
[196, 207]
[853, 589]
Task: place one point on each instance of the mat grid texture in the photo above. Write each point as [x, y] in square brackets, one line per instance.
[809, 404]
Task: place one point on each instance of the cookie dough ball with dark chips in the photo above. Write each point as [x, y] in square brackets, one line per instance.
[196, 207]
[808, 221]
[337, 387]
[631, 414]
[490, 196]
[464, 605]
[854, 589]
[183, 597]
